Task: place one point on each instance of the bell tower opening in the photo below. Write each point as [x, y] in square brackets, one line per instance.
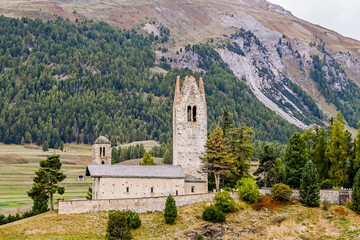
[194, 113]
[189, 113]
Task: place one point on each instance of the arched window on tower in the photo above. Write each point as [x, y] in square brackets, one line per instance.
[194, 114]
[103, 151]
[189, 113]
[100, 151]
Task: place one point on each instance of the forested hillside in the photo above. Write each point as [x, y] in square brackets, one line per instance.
[68, 82]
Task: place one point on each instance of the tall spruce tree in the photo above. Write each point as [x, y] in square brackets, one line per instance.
[320, 160]
[266, 167]
[355, 196]
[170, 213]
[309, 185]
[217, 159]
[337, 151]
[226, 124]
[295, 159]
[357, 150]
[48, 177]
[241, 150]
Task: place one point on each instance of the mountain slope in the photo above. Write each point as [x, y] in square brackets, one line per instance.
[262, 43]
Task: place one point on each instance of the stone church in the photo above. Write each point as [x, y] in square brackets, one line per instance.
[184, 177]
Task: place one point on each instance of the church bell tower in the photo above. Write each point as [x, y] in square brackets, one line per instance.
[189, 126]
[101, 151]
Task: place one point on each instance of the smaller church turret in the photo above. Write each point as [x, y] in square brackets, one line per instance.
[101, 151]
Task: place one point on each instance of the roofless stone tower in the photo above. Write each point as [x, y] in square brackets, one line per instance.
[101, 151]
[189, 126]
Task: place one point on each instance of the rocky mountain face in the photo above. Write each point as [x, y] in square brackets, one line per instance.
[303, 72]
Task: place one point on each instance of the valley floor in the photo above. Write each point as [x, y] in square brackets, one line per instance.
[288, 222]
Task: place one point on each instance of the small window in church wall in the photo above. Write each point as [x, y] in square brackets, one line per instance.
[177, 193]
[189, 113]
[152, 190]
[127, 189]
[194, 114]
[192, 189]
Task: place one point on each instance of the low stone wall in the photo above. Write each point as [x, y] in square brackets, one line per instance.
[139, 205]
[330, 196]
[155, 204]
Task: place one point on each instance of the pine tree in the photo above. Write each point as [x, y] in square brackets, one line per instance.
[241, 150]
[117, 226]
[267, 163]
[355, 196]
[147, 159]
[168, 157]
[357, 150]
[27, 137]
[278, 171]
[89, 193]
[61, 146]
[217, 159]
[45, 147]
[320, 160]
[337, 151]
[295, 159]
[170, 213]
[48, 177]
[309, 185]
[226, 125]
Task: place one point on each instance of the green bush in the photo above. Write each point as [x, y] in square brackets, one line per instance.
[225, 202]
[248, 190]
[117, 226]
[170, 210]
[281, 192]
[133, 219]
[350, 205]
[326, 184]
[213, 214]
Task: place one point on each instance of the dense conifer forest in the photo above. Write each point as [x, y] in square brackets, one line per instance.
[61, 81]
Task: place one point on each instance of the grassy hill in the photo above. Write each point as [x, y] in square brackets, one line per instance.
[287, 222]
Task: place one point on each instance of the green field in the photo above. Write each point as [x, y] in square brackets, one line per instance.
[19, 162]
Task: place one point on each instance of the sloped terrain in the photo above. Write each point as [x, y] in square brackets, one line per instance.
[288, 222]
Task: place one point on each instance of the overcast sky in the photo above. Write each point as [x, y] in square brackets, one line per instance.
[342, 16]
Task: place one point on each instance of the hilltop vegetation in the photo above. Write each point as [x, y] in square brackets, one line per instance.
[291, 221]
[72, 82]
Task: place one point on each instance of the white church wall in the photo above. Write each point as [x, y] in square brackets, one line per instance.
[111, 188]
[199, 187]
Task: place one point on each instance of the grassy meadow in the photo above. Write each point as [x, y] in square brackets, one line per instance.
[19, 162]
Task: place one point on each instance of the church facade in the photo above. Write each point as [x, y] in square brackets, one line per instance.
[184, 177]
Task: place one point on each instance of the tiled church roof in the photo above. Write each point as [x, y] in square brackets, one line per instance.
[102, 140]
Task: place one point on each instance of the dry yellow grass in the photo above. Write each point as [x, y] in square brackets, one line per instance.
[289, 222]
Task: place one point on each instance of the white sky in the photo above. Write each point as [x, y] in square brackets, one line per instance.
[342, 16]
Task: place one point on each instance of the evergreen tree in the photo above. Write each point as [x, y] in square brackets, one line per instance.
[295, 159]
[48, 177]
[147, 159]
[267, 164]
[309, 185]
[117, 226]
[27, 137]
[355, 196]
[40, 199]
[45, 147]
[337, 151]
[217, 159]
[89, 193]
[61, 146]
[170, 213]
[320, 160]
[168, 157]
[241, 150]
[357, 150]
[226, 125]
[278, 171]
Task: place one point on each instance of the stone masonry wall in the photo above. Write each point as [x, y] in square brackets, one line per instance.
[96, 158]
[330, 196]
[155, 204]
[139, 205]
